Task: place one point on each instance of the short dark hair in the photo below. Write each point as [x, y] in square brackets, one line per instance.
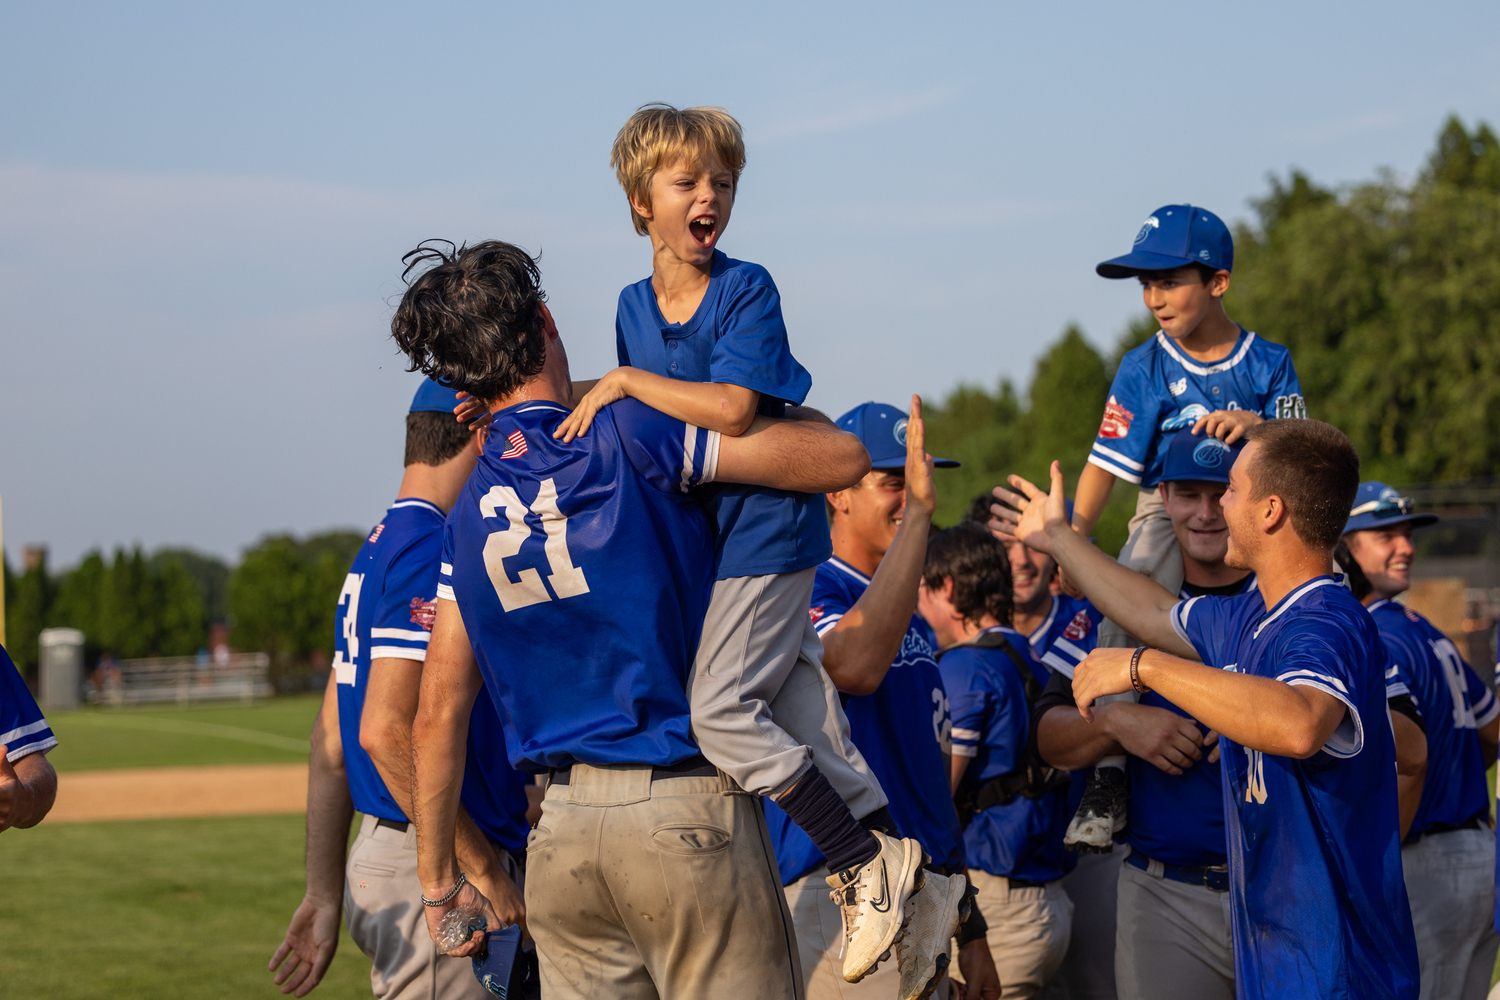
[473, 320]
[1204, 272]
[433, 438]
[976, 563]
[979, 508]
[1313, 468]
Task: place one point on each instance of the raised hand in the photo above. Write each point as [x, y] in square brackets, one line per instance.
[1031, 512]
[1227, 425]
[921, 495]
[307, 950]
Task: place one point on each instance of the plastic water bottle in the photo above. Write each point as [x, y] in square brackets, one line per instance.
[458, 925]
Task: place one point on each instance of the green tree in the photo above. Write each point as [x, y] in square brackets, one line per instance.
[128, 601]
[27, 616]
[181, 623]
[210, 578]
[283, 594]
[79, 597]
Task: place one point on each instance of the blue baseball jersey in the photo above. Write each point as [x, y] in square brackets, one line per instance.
[1159, 390]
[583, 572]
[23, 728]
[1022, 838]
[736, 337]
[385, 610]
[1454, 704]
[1319, 903]
[890, 727]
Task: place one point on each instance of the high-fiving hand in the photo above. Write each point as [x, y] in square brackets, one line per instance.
[1031, 513]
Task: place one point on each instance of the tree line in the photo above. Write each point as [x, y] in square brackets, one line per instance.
[279, 599]
[1386, 291]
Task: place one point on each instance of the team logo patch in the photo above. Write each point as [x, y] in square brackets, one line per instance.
[1186, 417]
[1146, 227]
[1078, 628]
[815, 613]
[1116, 423]
[375, 535]
[517, 445]
[423, 613]
[898, 430]
[1210, 453]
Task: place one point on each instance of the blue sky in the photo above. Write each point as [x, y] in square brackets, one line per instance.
[203, 207]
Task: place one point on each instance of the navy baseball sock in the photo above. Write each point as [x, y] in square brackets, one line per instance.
[815, 807]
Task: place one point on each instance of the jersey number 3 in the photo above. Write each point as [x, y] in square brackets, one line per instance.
[527, 589]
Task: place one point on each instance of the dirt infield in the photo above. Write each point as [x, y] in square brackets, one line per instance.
[180, 792]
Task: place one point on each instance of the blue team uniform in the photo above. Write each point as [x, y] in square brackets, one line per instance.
[23, 729]
[1159, 389]
[385, 610]
[1454, 704]
[890, 728]
[583, 571]
[1023, 838]
[1319, 903]
[736, 337]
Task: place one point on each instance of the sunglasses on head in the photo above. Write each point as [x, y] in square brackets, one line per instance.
[1386, 507]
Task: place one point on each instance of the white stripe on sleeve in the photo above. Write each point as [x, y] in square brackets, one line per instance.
[1115, 470]
[1349, 738]
[27, 749]
[1059, 664]
[26, 730]
[826, 623]
[397, 653]
[445, 593]
[409, 634]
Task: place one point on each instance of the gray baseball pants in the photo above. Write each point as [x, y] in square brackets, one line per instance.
[1450, 880]
[820, 943]
[1088, 969]
[383, 904]
[763, 708]
[1173, 941]
[1030, 927]
[657, 890]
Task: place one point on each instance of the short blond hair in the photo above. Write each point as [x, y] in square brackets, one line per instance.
[657, 134]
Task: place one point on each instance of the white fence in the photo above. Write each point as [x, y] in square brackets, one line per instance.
[184, 679]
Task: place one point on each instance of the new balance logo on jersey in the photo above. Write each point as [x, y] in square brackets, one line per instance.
[517, 445]
[1179, 387]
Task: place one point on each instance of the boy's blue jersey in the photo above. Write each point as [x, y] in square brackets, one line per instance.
[890, 727]
[1319, 903]
[583, 572]
[385, 610]
[991, 726]
[23, 729]
[1454, 704]
[1159, 389]
[736, 337]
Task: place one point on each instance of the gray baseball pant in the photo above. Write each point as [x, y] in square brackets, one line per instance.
[820, 944]
[1450, 880]
[1088, 969]
[1173, 941]
[1030, 927]
[763, 708]
[657, 890]
[383, 904]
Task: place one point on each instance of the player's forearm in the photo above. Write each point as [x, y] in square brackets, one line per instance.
[1256, 712]
[859, 650]
[715, 406]
[1067, 740]
[1411, 768]
[1094, 486]
[438, 744]
[809, 456]
[476, 855]
[1136, 603]
[329, 812]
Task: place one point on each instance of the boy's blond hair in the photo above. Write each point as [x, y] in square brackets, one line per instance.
[657, 134]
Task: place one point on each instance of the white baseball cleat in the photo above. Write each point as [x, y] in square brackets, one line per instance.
[922, 952]
[873, 899]
[1101, 813]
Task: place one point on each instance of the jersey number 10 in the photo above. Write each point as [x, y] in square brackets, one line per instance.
[527, 589]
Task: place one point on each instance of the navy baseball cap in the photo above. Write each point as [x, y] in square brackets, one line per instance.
[882, 428]
[1376, 505]
[1199, 456]
[1174, 236]
[434, 397]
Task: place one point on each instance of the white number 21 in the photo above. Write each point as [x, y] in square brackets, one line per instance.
[527, 589]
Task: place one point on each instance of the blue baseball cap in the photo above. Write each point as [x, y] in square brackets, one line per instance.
[1376, 505]
[434, 397]
[1174, 236]
[1199, 456]
[882, 428]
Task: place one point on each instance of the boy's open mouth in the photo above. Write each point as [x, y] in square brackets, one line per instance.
[703, 228]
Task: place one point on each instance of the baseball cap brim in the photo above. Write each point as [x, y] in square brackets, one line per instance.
[892, 465]
[1132, 264]
[1369, 522]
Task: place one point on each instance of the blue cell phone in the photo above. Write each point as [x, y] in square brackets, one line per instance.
[501, 971]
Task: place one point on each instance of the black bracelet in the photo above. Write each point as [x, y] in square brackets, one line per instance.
[972, 926]
[1135, 671]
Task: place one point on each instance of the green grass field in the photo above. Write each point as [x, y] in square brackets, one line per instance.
[273, 731]
[158, 909]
